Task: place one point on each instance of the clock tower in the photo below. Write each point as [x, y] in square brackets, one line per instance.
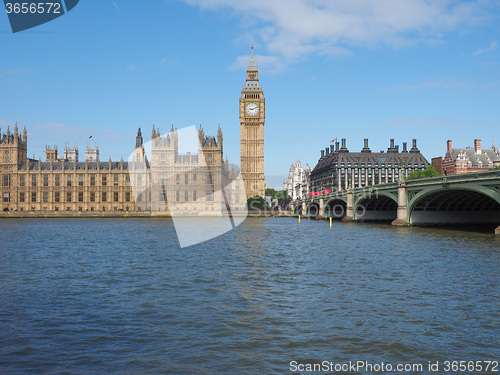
[252, 118]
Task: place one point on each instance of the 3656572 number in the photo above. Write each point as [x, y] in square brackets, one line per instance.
[33, 8]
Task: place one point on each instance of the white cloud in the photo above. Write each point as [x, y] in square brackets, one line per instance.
[16, 71]
[292, 29]
[493, 46]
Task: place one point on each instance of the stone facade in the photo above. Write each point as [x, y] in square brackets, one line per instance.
[468, 160]
[338, 169]
[252, 117]
[61, 184]
[299, 180]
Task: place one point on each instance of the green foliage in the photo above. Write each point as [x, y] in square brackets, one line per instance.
[283, 197]
[271, 193]
[256, 203]
[430, 171]
[497, 167]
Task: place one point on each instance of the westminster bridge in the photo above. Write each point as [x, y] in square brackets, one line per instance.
[471, 198]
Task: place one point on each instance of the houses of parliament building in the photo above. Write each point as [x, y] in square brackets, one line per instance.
[190, 183]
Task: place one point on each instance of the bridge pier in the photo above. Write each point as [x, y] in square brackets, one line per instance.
[497, 231]
[402, 218]
[349, 213]
[304, 208]
[321, 213]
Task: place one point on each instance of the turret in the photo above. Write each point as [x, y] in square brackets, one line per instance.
[138, 139]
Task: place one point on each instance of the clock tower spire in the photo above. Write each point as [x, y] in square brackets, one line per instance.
[252, 118]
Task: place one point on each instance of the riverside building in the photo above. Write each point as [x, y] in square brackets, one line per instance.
[194, 183]
[338, 169]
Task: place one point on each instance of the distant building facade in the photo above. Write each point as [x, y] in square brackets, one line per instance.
[437, 163]
[338, 169]
[299, 180]
[65, 184]
[467, 160]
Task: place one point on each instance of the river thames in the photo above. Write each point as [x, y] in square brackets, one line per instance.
[119, 296]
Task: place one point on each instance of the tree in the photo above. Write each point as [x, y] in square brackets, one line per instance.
[283, 197]
[271, 193]
[430, 171]
[256, 203]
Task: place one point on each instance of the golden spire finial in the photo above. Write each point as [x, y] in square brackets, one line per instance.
[252, 47]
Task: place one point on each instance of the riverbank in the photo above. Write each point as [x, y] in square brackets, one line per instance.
[119, 214]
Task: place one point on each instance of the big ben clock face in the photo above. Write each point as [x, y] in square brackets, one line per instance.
[252, 109]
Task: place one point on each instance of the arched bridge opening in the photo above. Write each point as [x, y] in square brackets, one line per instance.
[298, 210]
[455, 207]
[313, 209]
[381, 208]
[336, 209]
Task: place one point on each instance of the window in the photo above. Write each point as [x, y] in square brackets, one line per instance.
[6, 197]
[21, 181]
[45, 180]
[68, 196]
[45, 196]
[80, 180]
[57, 197]
[194, 196]
[115, 182]
[186, 179]
[21, 197]
[127, 196]
[92, 180]
[194, 178]
[103, 180]
[186, 195]
[115, 196]
[33, 197]
[80, 196]
[33, 181]
[177, 179]
[6, 180]
[68, 180]
[7, 156]
[139, 180]
[92, 196]
[104, 196]
[177, 195]
[58, 180]
[127, 180]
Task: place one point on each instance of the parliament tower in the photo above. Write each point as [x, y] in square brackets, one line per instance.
[252, 118]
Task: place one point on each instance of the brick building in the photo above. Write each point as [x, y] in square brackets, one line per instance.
[467, 160]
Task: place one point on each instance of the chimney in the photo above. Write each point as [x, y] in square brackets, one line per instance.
[337, 146]
[327, 151]
[404, 147]
[448, 145]
[414, 147]
[366, 148]
[343, 143]
[332, 149]
[477, 146]
[322, 153]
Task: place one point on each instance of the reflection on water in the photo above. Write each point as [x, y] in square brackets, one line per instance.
[121, 297]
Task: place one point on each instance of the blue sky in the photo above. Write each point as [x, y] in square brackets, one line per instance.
[350, 69]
